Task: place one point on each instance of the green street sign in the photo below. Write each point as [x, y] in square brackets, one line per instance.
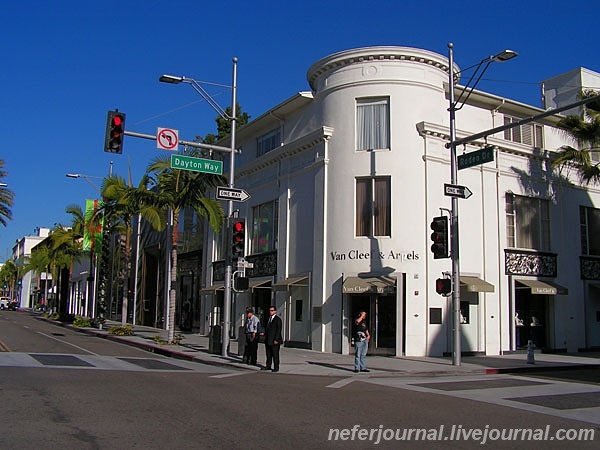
[476, 158]
[196, 164]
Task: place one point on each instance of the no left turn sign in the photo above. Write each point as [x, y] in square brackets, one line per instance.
[167, 138]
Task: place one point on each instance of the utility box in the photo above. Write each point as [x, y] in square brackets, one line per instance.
[241, 341]
[215, 345]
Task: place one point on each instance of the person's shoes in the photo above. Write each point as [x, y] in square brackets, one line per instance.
[265, 368]
[275, 370]
[355, 371]
[364, 370]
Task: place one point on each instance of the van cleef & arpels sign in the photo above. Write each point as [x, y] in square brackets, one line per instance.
[360, 255]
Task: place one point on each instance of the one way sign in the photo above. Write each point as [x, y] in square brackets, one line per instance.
[227, 193]
[454, 190]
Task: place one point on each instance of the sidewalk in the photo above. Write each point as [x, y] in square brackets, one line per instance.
[194, 347]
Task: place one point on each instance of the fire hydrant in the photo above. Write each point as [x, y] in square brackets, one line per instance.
[530, 354]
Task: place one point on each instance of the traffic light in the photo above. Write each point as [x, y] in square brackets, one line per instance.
[439, 225]
[115, 131]
[238, 238]
[443, 286]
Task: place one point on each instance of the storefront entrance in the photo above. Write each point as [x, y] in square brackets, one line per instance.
[531, 318]
[381, 314]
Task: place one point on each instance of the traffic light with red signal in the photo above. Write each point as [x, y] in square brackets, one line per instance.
[115, 132]
[439, 237]
[238, 238]
[443, 286]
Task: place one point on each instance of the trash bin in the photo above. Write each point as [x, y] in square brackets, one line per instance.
[214, 340]
[241, 341]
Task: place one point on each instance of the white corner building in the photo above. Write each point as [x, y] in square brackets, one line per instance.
[345, 180]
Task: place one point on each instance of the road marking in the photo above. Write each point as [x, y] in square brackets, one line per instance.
[68, 343]
[4, 347]
[227, 375]
[341, 383]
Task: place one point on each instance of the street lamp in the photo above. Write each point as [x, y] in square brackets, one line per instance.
[228, 256]
[86, 178]
[480, 69]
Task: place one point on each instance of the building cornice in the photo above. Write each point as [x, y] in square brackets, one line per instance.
[380, 53]
[285, 151]
[441, 132]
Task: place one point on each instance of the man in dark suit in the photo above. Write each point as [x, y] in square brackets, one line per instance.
[273, 339]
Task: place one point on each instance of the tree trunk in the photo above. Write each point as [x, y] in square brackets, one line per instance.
[127, 276]
[173, 290]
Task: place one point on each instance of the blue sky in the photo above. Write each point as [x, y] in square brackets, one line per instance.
[66, 63]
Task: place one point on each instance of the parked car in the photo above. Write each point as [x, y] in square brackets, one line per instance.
[4, 302]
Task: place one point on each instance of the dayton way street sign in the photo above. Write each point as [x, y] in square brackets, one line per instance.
[227, 193]
[454, 190]
[196, 164]
[476, 158]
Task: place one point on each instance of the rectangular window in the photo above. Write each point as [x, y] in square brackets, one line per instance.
[372, 123]
[264, 227]
[590, 231]
[299, 307]
[530, 133]
[221, 244]
[373, 206]
[527, 222]
[268, 142]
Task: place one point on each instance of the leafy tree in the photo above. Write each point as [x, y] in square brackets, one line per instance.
[174, 190]
[584, 130]
[6, 197]
[224, 125]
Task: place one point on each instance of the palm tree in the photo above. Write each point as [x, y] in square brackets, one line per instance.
[66, 247]
[584, 130]
[176, 190]
[10, 274]
[122, 202]
[6, 197]
[39, 262]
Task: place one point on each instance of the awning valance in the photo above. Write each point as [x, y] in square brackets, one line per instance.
[218, 286]
[539, 287]
[475, 284]
[292, 281]
[369, 285]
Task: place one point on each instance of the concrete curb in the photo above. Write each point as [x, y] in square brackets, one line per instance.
[424, 367]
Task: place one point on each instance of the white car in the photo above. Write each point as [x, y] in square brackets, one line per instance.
[4, 302]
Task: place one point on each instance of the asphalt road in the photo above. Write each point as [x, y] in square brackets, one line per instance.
[122, 398]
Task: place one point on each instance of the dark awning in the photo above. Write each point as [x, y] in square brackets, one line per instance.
[475, 284]
[256, 284]
[369, 285]
[292, 281]
[540, 287]
[218, 286]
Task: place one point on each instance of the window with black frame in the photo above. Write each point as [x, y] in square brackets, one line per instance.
[589, 219]
[264, 227]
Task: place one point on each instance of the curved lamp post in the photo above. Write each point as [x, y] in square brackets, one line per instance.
[480, 69]
[172, 79]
